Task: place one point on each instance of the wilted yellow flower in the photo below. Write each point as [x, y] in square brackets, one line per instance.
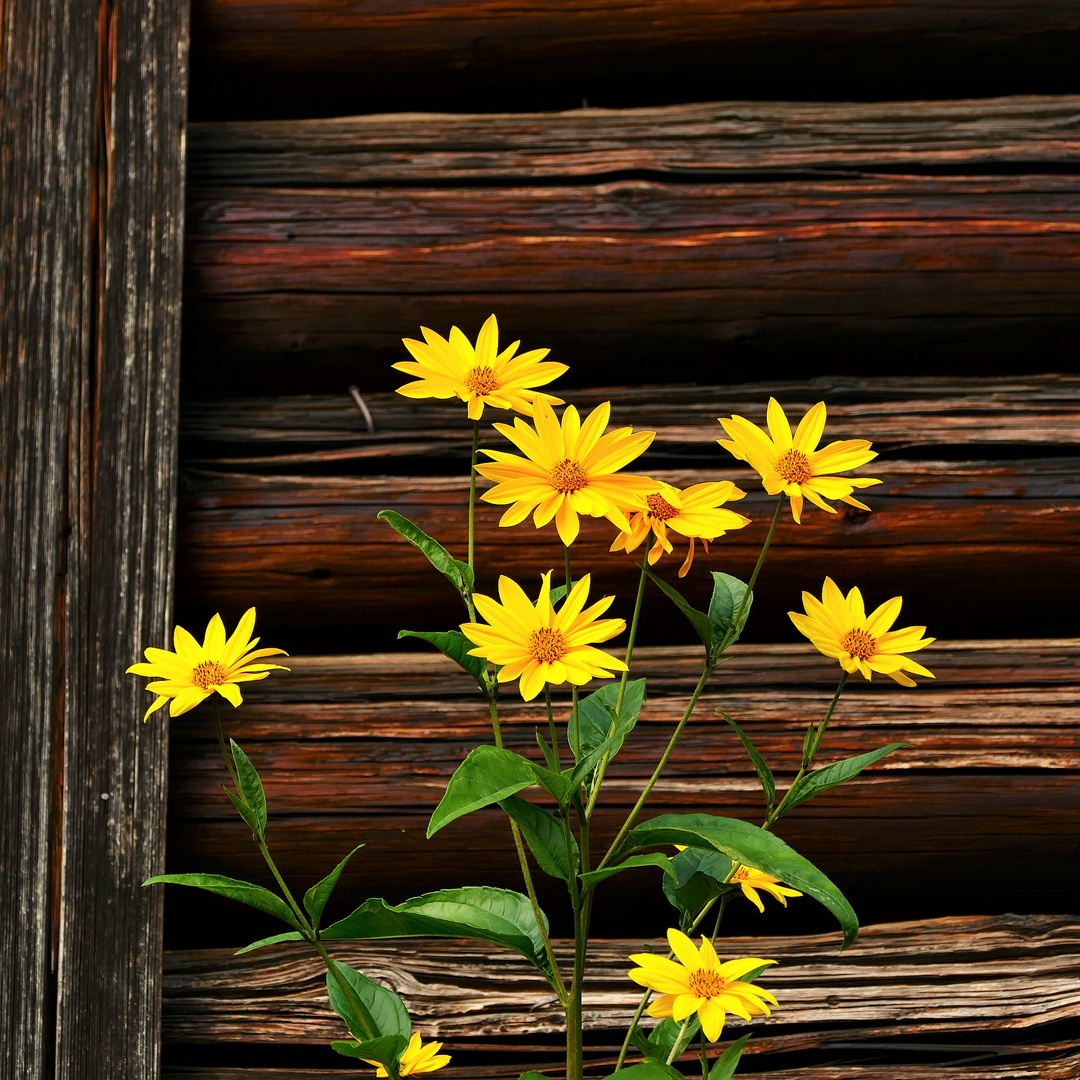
[568, 469]
[542, 646]
[480, 375]
[791, 463]
[699, 983]
[695, 512]
[750, 880]
[417, 1058]
[194, 672]
[839, 627]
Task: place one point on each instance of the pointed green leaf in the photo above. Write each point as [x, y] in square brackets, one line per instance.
[594, 877]
[726, 1064]
[727, 596]
[820, 780]
[544, 834]
[386, 1050]
[488, 775]
[601, 732]
[384, 1008]
[701, 622]
[765, 774]
[274, 939]
[746, 843]
[547, 751]
[316, 897]
[247, 813]
[478, 912]
[646, 1070]
[251, 790]
[558, 592]
[242, 891]
[457, 573]
[667, 1036]
[454, 645]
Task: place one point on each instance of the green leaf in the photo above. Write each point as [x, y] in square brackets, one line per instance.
[765, 774]
[594, 877]
[698, 619]
[457, 573]
[727, 595]
[820, 780]
[247, 813]
[488, 775]
[386, 1050]
[747, 844]
[725, 1065]
[544, 834]
[454, 645]
[559, 785]
[386, 1009]
[242, 891]
[557, 593]
[601, 731]
[478, 912]
[547, 751]
[646, 1070]
[697, 877]
[532, 1074]
[316, 897]
[251, 790]
[665, 1037]
[274, 939]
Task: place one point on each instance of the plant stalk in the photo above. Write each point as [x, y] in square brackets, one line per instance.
[472, 511]
[227, 757]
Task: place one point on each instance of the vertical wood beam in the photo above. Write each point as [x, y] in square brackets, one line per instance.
[92, 110]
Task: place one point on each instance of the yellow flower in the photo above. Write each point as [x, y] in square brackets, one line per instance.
[699, 983]
[792, 464]
[694, 512]
[540, 646]
[480, 375]
[568, 469]
[417, 1058]
[194, 672]
[839, 627]
[750, 880]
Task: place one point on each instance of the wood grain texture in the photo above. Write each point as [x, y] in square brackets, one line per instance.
[989, 974]
[984, 796]
[282, 282]
[309, 551]
[900, 414]
[93, 118]
[677, 142]
[251, 55]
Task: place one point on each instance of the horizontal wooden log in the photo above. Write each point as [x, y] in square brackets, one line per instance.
[955, 976]
[680, 141]
[629, 271]
[309, 551]
[897, 413]
[984, 797]
[311, 57]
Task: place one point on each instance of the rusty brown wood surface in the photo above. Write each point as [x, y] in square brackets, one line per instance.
[1015, 974]
[984, 796]
[304, 289]
[898, 413]
[320, 57]
[92, 114]
[309, 551]
[679, 141]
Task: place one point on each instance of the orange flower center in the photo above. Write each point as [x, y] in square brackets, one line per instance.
[859, 643]
[707, 984]
[741, 874]
[568, 476]
[482, 380]
[660, 508]
[547, 645]
[209, 673]
[794, 467]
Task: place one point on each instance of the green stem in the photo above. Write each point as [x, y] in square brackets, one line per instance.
[704, 1057]
[472, 509]
[734, 632]
[553, 733]
[808, 757]
[660, 765]
[601, 769]
[576, 748]
[229, 764]
[678, 1039]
